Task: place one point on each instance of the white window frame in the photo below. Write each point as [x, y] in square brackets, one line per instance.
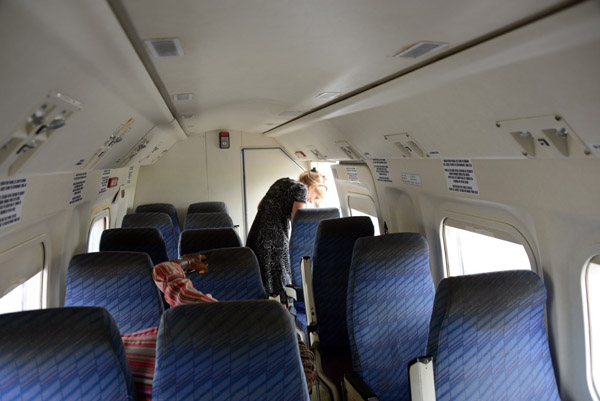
[491, 228]
[23, 274]
[103, 213]
[594, 387]
[351, 195]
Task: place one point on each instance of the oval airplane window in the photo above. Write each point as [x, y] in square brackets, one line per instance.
[23, 276]
[477, 248]
[363, 205]
[592, 283]
[100, 222]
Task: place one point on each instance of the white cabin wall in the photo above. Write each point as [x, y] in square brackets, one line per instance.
[548, 68]
[46, 210]
[537, 198]
[197, 170]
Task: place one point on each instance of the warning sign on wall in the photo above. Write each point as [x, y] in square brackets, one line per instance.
[129, 175]
[382, 170]
[352, 174]
[411, 179]
[460, 176]
[104, 181]
[12, 193]
[78, 187]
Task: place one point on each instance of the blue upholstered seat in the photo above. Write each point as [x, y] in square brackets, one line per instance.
[120, 282]
[233, 274]
[207, 207]
[302, 239]
[147, 240]
[63, 354]
[244, 350]
[332, 256]
[162, 221]
[390, 298]
[207, 220]
[162, 208]
[208, 238]
[488, 338]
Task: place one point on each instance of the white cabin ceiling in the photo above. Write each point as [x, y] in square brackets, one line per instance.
[247, 62]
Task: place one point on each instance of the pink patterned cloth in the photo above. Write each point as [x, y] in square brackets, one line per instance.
[178, 289]
[140, 348]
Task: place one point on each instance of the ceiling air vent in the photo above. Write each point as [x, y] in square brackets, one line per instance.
[420, 49]
[169, 47]
[182, 96]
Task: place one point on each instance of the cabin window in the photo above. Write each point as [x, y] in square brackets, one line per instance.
[100, 222]
[363, 205]
[592, 283]
[473, 248]
[23, 276]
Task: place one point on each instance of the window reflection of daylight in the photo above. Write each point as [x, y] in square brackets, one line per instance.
[96, 233]
[593, 298]
[27, 296]
[472, 253]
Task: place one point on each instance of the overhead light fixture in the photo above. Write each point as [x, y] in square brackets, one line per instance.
[168, 47]
[328, 95]
[420, 49]
[182, 96]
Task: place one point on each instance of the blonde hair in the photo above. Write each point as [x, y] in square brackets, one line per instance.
[314, 179]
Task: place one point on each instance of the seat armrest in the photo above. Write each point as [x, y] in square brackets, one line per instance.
[421, 379]
[356, 389]
[294, 292]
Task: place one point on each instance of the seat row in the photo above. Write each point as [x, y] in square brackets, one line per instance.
[194, 208]
[371, 308]
[154, 233]
[122, 283]
[211, 351]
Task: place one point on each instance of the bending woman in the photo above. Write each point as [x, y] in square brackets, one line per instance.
[268, 236]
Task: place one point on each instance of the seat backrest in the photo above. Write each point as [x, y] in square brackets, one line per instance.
[488, 338]
[63, 354]
[203, 239]
[207, 207]
[162, 221]
[302, 239]
[120, 282]
[332, 256]
[228, 351]
[147, 240]
[390, 298]
[233, 274]
[162, 208]
[207, 220]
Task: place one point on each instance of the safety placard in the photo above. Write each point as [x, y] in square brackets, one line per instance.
[352, 174]
[12, 194]
[382, 170]
[78, 187]
[460, 176]
[411, 179]
[129, 175]
[104, 181]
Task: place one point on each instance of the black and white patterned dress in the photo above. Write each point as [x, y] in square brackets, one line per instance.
[268, 236]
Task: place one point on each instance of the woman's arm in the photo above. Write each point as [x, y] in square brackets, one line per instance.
[296, 206]
[171, 280]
